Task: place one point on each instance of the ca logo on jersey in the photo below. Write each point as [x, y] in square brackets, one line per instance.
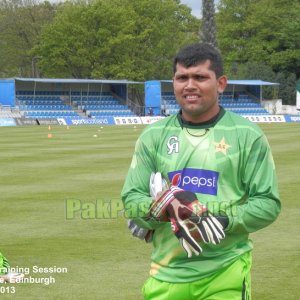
[173, 145]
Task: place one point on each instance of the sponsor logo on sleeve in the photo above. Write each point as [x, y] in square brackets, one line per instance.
[196, 180]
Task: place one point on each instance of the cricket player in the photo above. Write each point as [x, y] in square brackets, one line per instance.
[221, 187]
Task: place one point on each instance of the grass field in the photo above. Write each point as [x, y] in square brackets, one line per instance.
[41, 177]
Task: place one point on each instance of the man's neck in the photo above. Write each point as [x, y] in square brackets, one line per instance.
[207, 123]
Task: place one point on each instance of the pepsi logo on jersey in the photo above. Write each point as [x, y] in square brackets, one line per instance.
[195, 180]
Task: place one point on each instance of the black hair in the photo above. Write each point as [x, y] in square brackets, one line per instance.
[195, 54]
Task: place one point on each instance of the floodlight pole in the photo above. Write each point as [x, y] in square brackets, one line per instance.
[35, 70]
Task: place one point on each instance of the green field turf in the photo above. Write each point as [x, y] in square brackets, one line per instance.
[85, 166]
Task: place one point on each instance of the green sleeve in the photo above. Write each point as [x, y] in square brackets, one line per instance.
[135, 194]
[262, 204]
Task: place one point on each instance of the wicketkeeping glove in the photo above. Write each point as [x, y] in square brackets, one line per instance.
[190, 220]
[141, 233]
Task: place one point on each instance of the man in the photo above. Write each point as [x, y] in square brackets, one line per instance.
[222, 187]
[150, 113]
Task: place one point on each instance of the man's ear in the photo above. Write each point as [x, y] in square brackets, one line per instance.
[222, 83]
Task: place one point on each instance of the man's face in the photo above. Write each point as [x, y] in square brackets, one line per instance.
[197, 90]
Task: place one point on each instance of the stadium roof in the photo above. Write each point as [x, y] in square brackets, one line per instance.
[251, 82]
[124, 81]
[73, 80]
[241, 82]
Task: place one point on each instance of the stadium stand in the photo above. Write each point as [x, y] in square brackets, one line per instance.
[51, 104]
[244, 105]
[43, 104]
[100, 104]
[89, 98]
[70, 98]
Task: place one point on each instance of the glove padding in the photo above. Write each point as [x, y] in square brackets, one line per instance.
[139, 232]
[190, 220]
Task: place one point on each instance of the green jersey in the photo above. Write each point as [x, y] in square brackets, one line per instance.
[228, 164]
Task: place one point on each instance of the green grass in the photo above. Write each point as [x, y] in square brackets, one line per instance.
[39, 174]
[276, 248]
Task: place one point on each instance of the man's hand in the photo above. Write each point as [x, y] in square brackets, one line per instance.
[156, 185]
[190, 220]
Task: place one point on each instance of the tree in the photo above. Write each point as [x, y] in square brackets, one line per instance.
[20, 24]
[261, 32]
[208, 26]
[115, 39]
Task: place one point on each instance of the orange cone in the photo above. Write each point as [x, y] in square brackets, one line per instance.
[50, 135]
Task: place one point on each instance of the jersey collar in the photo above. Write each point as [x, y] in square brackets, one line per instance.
[207, 124]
